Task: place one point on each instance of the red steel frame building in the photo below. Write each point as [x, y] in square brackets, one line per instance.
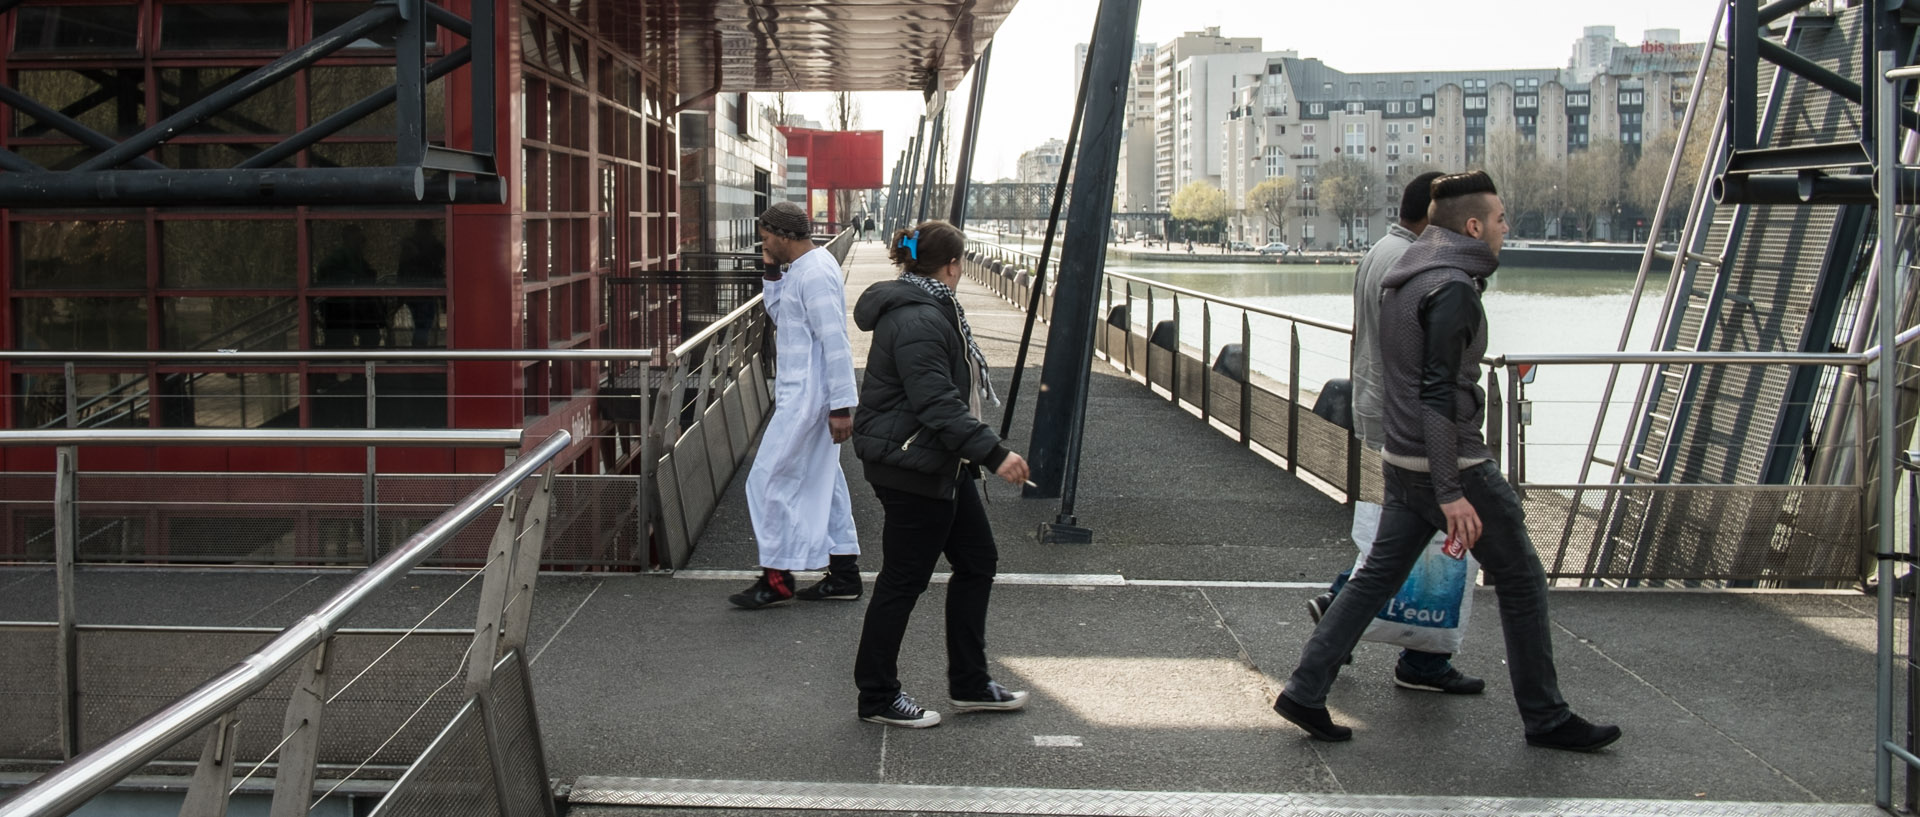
[587, 147]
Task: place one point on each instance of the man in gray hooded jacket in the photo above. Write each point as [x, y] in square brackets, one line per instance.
[1440, 474]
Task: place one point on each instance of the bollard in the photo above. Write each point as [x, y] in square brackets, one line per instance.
[1232, 362]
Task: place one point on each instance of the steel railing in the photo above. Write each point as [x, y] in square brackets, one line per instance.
[501, 629]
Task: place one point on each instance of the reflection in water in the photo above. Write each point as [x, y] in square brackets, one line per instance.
[1532, 310]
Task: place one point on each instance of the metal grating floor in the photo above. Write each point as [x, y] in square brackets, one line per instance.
[758, 794]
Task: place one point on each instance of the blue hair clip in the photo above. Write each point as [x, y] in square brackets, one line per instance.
[912, 243]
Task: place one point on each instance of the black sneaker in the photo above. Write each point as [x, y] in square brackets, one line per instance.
[1451, 682]
[995, 698]
[1316, 721]
[774, 587]
[1317, 607]
[903, 712]
[843, 586]
[1576, 735]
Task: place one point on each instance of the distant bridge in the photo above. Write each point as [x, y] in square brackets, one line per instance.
[1018, 201]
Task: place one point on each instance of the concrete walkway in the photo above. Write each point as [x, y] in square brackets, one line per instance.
[1154, 655]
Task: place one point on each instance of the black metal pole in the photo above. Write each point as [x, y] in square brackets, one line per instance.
[957, 213]
[914, 149]
[1046, 245]
[1059, 412]
[1743, 73]
[934, 143]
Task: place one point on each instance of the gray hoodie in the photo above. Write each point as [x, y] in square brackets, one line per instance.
[1433, 333]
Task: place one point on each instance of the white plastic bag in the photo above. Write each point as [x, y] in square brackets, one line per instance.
[1431, 611]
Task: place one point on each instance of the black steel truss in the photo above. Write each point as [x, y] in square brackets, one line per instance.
[123, 174]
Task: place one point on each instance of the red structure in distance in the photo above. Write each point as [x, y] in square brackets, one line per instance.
[837, 160]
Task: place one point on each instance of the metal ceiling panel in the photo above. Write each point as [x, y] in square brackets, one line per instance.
[826, 45]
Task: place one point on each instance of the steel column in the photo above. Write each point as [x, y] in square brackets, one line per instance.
[933, 145]
[1061, 407]
[957, 213]
[1885, 394]
[1743, 73]
[66, 522]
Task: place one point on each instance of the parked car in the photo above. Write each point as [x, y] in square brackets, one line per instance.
[1239, 246]
[1275, 248]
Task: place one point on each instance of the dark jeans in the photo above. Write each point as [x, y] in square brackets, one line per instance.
[1506, 554]
[1418, 663]
[918, 530]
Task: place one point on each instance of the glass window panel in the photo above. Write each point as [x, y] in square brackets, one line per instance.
[353, 154]
[46, 29]
[211, 156]
[81, 255]
[331, 90]
[82, 324]
[352, 321]
[228, 255]
[270, 111]
[364, 253]
[112, 101]
[223, 26]
[410, 400]
[102, 399]
[329, 16]
[260, 323]
[421, 321]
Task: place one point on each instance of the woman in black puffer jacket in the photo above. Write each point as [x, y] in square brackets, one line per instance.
[919, 435]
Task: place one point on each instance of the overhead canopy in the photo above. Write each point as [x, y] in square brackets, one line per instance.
[830, 45]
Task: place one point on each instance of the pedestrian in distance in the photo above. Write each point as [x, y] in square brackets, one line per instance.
[796, 493]
[1440, 474]
[1417, 669]
[922, 444]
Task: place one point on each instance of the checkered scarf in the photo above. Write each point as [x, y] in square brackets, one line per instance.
[944, 292]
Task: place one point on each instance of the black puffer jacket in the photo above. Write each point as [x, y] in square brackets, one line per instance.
[914, 431]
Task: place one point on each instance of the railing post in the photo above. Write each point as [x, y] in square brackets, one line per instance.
[207, 794]
[1293, 396]
[488, 627]
[369, 491]
[1127, 328]
[66, 523]
[643, 486]
[306, 704]
[72, 394]
[525, 567]
[1147, 333]
[1246, 379]
[1175, 379]
[1206, 364]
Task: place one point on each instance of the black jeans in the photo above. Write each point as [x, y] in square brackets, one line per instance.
[1505, 552]
[918, 530]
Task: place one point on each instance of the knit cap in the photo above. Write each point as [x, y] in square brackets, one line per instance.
[787, 220]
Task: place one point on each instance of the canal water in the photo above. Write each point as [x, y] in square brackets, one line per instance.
[1529, 309]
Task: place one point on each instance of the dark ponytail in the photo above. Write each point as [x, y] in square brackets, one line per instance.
[923, 250]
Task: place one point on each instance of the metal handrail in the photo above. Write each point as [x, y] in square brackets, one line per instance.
[313, 355]
[1870, 355]
[706, 334]
[494, 437]
[1257, 310]
[81, 779]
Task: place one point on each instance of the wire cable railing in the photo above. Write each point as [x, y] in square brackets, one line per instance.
[303, 646]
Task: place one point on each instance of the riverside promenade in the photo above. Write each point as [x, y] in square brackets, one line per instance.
[1154, 654]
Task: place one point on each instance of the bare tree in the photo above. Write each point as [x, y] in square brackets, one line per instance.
[1596, 183]
[1272, 199]
[1347, 188]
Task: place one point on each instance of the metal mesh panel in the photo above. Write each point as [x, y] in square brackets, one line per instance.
[29, 696]
[696, 482]
[738, 434]
[408, 502]
[673, 514]
[455, 778]
[26, 510]
[1269, 424]
[594, 520]
[713, 429]
[1698, 532]
[221, 518]
[126, 675]
[754, 398]
[522, 760]
[1323, 449]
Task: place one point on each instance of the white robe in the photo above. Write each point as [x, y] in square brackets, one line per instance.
[796, 492]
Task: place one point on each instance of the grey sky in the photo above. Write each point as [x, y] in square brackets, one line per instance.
[1030, 84]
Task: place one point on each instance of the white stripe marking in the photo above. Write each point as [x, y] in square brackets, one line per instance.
[1067, 741]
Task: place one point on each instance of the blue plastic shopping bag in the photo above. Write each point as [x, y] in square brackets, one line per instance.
[1431, 611]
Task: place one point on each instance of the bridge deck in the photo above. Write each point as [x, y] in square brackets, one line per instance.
[1153, 656]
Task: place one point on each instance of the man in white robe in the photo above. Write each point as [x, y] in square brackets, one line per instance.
[796, 493]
